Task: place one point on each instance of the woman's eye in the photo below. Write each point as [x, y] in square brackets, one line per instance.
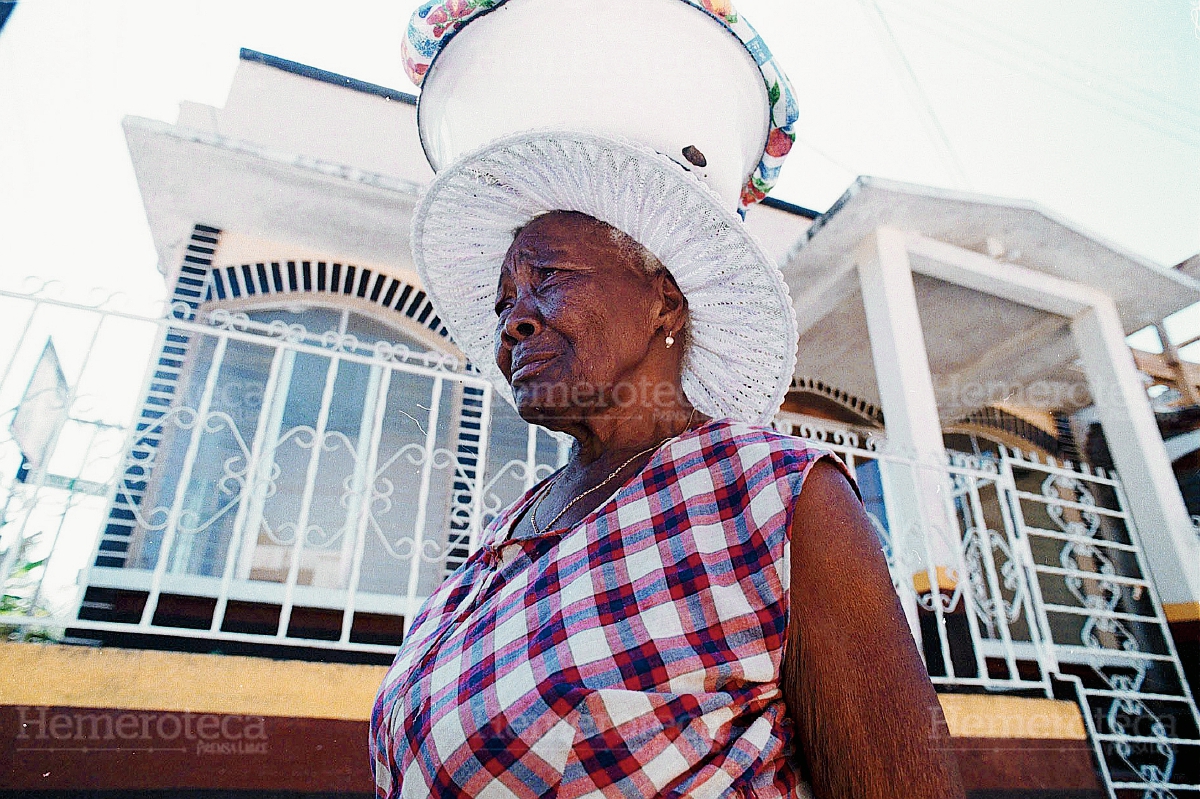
[503, 306]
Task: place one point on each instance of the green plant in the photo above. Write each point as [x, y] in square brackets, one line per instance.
[20, 596]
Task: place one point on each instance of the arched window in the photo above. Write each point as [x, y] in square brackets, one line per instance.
[303, 422]
[310, 440]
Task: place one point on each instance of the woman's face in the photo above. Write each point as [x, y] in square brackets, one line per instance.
[578, 318]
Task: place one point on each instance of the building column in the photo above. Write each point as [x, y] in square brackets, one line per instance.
[898, 346]
[924, 537]
[1169, 540]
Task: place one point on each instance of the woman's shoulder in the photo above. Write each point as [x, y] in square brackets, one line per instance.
[750, 445]
[738, 434]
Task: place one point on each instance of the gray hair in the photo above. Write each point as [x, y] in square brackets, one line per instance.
[629, 246]
[635, 251]
[640, 255]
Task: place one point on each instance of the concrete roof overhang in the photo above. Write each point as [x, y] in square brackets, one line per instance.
[1190, 267]
[188, 176]
[982, 349]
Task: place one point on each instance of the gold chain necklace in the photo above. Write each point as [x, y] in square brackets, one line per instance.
[533, 513]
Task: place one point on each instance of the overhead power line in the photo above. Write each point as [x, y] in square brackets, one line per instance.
[1113, 93]
[824, 154]
[1030, 48]
[912, 86]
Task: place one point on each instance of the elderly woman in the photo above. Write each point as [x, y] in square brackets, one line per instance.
[694, 605]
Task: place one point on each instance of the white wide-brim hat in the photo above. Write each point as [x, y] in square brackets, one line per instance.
[657, 117]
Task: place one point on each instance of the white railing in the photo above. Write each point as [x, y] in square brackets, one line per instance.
[262, 484]
[950, 541]
[1040, 579]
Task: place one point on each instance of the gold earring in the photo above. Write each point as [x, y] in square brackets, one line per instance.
[670, 340]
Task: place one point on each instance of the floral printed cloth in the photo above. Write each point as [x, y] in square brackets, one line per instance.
[635, 654]
[434, 23]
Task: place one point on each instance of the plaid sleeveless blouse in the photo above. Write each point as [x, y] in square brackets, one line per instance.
[635, 654]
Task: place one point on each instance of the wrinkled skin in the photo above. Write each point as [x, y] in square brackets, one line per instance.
[581, 329]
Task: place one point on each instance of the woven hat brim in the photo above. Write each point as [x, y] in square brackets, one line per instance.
[743, 334]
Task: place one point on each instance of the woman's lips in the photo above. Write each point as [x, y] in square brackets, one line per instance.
[528, 367]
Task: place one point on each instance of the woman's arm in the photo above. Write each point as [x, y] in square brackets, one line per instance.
[868, 721]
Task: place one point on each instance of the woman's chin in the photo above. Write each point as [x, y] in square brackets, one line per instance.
[538, 406]
[556, 419]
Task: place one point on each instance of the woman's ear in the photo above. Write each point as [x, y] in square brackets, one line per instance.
[674, 305]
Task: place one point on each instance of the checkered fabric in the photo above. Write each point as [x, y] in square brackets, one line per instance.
[635, 654]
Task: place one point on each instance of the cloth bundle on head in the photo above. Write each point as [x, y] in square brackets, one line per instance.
[662, 118]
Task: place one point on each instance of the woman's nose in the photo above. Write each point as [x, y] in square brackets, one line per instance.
[522, 321]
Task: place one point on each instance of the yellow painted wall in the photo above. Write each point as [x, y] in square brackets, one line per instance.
[76, 676]
[70, 676]
[995, 716]
[1179, 612]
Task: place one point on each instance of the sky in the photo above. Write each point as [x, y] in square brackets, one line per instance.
[1090, 108]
